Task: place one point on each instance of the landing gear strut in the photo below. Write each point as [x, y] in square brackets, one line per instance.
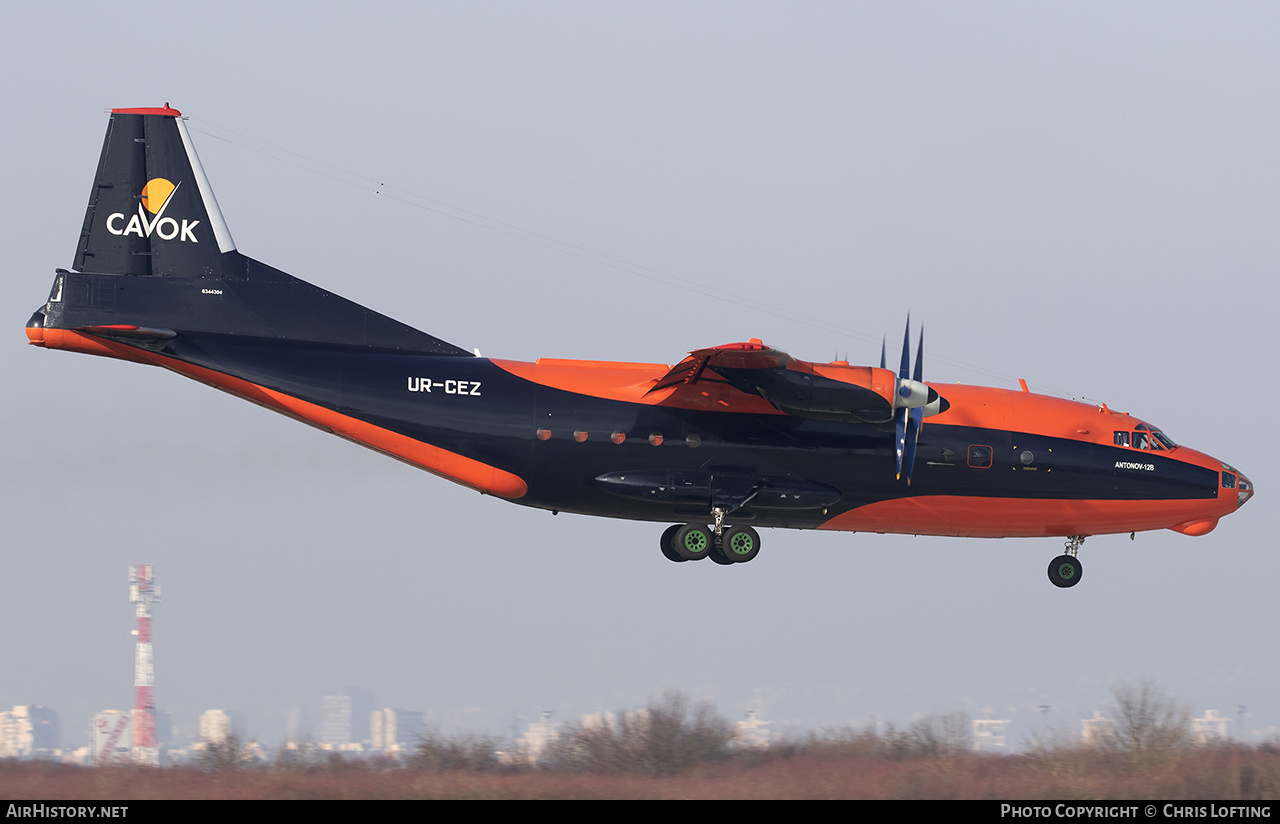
[1065, 570]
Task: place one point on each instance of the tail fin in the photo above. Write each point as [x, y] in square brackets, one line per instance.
[152, 211]
[155, 254]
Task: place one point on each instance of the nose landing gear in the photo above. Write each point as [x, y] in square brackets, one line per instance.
[1065, 570]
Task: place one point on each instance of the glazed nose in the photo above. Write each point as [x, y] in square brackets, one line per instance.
[1244, 490]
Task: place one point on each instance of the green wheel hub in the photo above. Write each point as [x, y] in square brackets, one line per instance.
[741, 543]
[1065, 571]
[692, 542]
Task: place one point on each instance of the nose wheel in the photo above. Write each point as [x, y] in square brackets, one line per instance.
[1065, 570]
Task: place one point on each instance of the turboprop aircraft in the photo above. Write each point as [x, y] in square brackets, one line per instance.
[731, 438]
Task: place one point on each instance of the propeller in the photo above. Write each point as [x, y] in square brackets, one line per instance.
[912, 400]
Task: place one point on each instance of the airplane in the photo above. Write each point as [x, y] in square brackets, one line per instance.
[730, 439]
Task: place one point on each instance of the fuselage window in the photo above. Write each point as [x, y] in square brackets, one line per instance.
[980, 457]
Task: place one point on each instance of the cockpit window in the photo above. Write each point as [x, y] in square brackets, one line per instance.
[1144, 437]
[1228, 480]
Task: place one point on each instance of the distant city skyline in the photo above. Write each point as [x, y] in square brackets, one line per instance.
[31, 732]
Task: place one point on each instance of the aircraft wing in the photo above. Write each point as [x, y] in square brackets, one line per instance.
[752, 355]
[826, 392]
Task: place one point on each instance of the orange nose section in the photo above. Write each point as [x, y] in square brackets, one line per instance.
[1193, 528]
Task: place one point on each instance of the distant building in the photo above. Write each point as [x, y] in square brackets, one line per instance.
[989, 735]
[164, 729]
[215, 726]
[335, 720]
[361, 711]
[345, 718]
[630, 720]
[28, 731]
[1097, 730]
[751, 732]
[392, 730]
[110, 737]
[1210, 728]
[295, 729]
[537, 737]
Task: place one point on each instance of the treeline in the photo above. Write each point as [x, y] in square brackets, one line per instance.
[1147, 751]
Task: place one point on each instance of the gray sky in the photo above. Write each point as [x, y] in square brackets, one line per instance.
[1085, 195]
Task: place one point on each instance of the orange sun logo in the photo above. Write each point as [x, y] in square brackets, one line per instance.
[156, 193]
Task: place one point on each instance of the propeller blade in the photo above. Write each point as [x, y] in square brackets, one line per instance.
[919, 373]
[914, 424]
[909, 420]
[906, 350]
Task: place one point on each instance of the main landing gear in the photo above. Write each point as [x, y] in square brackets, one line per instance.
[1065, 570]
[724, 545]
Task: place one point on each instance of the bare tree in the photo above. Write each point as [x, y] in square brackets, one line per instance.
[932, 736]
[1150, 728]
[471, 753]
[669, 735]
[231, 752]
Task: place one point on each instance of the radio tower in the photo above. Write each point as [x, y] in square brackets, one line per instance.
[144, 593]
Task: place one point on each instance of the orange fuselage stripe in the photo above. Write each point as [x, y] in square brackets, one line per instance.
[466, 471]
[972, 517]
